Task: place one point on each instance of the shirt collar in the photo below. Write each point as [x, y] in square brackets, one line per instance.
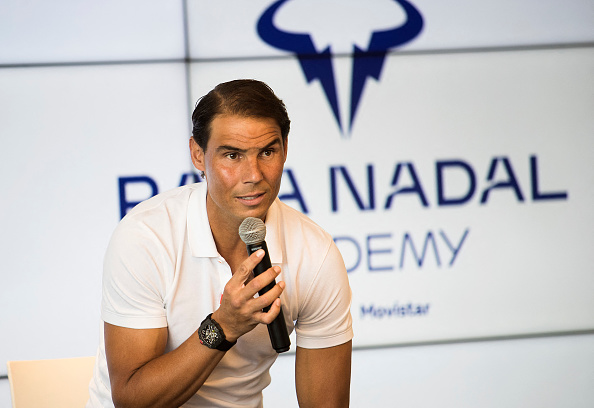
[200, 237]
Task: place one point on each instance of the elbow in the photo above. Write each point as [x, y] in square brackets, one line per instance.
[123, 398]
[126, 398]
[120, 401]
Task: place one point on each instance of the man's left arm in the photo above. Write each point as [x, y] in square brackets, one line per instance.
[323, 376]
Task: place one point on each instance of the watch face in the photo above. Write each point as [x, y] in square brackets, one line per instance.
[209, 334]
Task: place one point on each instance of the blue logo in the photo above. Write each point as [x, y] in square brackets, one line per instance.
[318, 64]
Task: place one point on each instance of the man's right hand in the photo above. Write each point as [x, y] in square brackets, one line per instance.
[240, 310]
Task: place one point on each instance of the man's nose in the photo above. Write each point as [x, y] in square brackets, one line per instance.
[252, 171]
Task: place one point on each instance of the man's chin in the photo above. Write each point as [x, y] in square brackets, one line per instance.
[256, 212]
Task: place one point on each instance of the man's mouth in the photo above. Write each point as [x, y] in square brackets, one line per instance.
[252, 198]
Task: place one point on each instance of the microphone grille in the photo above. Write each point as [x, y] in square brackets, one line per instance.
[252, 230]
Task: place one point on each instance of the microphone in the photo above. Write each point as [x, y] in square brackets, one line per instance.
[252, 231]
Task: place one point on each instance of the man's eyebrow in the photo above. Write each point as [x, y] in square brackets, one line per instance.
[276, 141]
[222, 148]
[238, 150]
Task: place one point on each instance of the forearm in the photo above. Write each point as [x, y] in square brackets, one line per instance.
[168, 380]
[323, 376]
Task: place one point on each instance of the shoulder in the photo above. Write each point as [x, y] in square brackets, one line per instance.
[297, 224]
[304, 242]
[146, 242]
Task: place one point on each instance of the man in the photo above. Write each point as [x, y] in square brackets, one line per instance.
[177, 260]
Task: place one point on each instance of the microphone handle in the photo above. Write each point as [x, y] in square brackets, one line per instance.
[277, 330]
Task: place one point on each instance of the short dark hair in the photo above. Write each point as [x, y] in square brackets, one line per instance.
[242, 97]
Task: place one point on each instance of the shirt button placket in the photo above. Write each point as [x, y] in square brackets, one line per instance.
[224, 273]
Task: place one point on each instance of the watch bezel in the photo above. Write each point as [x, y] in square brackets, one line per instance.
[220, 341]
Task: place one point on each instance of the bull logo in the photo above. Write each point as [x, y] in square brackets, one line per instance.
[318, 64]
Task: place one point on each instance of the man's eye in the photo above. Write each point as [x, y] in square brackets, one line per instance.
[232, 156]
[267, 153]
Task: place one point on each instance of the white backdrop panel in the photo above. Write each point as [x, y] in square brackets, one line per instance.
[37, 31]
[69, 134]
[515, 264]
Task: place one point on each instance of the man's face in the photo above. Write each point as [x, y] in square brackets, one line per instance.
[243, 164]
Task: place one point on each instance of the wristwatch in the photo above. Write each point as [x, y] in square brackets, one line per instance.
[212, 336]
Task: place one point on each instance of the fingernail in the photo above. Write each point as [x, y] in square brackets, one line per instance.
[260, 253]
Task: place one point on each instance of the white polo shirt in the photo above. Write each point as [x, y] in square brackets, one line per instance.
[162, 269]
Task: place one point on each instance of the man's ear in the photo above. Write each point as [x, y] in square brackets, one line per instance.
[197, 155]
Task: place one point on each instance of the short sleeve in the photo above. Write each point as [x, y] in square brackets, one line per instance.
[324, 317]
[133, 279]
